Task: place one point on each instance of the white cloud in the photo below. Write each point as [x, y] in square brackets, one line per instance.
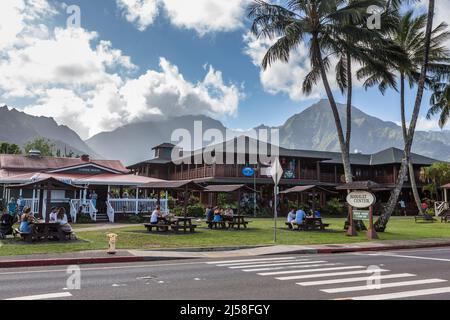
[85, 83]
[203, 16]
[283, 77]
[140, 12]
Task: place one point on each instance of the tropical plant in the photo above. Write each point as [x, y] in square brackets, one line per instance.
[9, 148]
[435, 176]
[45, 146]
[382, 222]
[409, 37]
[331, 28]
[440, 103]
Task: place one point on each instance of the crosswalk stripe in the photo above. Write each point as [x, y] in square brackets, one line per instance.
[355, 279]
[251, 260]
[291, 267]
[384, 286]
[44, 296]
[259, 262]
[331, 274]
[403, 294]
[310, 270]
[275, 264]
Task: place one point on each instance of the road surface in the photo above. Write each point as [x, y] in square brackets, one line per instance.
[409, 274]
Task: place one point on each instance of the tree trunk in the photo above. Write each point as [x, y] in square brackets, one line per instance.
[349, 103]
[337, 119]
[412, 177]
[384, 219]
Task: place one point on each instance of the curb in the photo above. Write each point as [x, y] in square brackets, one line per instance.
[128, 259]
[78, 261]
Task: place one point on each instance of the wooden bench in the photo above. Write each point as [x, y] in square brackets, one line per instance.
[27, 237]
[217, 224]
[238, 224]
[184, 228]
[158, 227]
[445, 218]
[309, 225]
[424, 218]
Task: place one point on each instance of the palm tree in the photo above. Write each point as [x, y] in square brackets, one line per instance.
[382, 222]
[409, 36]
[330, 28]
[440, 103]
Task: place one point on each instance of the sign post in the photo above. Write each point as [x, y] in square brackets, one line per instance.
[277, 173]
[362, 200]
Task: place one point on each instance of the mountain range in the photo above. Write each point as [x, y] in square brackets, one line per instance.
[312, 129]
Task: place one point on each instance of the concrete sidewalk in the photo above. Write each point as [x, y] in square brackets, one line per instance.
[98, 257]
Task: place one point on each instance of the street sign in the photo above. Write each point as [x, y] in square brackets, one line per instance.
[361, 199]
[361, 214]
[277, 171]
[248, 172]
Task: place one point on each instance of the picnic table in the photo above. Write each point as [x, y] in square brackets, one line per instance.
[43, 231]
[238, 221]
[310, 223]
[184, 224]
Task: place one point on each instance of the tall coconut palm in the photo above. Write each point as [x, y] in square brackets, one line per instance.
[324, 25]
[440, 103]
[409, 36]
[382, 222]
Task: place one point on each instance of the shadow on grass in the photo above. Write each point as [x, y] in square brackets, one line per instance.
[19, 242]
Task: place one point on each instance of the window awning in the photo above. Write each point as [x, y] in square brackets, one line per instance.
[173, 185]
[228, 188]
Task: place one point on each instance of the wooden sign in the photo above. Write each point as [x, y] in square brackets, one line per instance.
[361, 199]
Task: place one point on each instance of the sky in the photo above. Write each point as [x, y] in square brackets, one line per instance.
[125, 61]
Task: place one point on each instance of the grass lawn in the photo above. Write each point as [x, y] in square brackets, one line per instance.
[260, 233]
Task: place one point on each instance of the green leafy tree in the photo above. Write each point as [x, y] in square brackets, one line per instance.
[9, 148]
[435, 176]
[45, 146]
[440, 103]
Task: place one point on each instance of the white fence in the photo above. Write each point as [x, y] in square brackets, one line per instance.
[136, 206]
[87, 207]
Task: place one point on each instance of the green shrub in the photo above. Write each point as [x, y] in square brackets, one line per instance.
[84, 218]
[335, 207]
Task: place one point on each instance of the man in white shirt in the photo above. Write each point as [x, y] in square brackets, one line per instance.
[155, 216]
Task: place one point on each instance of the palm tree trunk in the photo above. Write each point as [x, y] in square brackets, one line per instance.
[412, 177]
[384, 219]
[337, 119]
[349, 102]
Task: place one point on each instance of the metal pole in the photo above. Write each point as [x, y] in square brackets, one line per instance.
[275, 213]
[254, 194]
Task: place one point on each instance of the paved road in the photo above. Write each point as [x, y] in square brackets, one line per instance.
[418, 274]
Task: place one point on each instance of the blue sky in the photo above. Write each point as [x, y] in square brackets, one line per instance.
[234, 90]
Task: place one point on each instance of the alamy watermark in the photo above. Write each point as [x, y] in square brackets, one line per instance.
[256, 146]
[74, 278]
[374, 280]
[74, 18]
[374, 20]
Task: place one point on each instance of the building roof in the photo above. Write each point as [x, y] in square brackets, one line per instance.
[172, 185]
[228, 188]
[361, 185]
[23, 162]
[46, 183]
[300, 189]
[165, 145]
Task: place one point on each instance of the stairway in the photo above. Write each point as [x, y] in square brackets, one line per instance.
[102, 218]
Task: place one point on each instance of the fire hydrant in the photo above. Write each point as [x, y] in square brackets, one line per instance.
[112, 243]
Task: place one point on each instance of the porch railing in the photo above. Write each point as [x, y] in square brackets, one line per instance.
[87, 207]
[33, 204]
[110, 212]
[440, 207]
[136, 206]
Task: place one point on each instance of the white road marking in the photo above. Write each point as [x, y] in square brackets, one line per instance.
[332, 274]
[291, 267]
[44, 296]
[250, 260]
[356, 279]
[259, 262]
[403, 294]
[311, 270]
[276, 264]
[384, 286]
[411, 257]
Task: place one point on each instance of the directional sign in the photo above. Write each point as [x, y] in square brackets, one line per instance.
[277, 171]
[361, 199]
[361, 214]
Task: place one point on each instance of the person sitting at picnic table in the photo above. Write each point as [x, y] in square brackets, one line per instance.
[209, 214]
[54, 214]
[26, 221]
[300, 216]
[156, 215]
[63, 220]
[228, 214]
[424, 206]
[217, 216]
[291, 217]
[12, 207]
